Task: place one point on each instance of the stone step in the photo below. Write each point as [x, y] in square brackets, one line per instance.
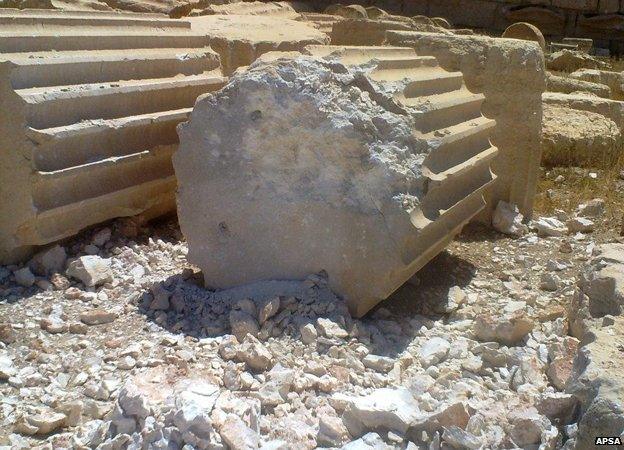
[96, 66]
[359, 54]
[84, 142]
[473, 163]
[438, 226]
[444, 197]
[406, 62]
[449, 205]
[430, 82]
[63, 105]
[442, 111]
[151, 199]
[461, 143]
[75, 184]
[94, 39]
[70, 19]
[319, 17]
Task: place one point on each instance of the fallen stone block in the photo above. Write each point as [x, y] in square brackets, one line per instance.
[615, 80]
[507, 219]
[568, 85]
[94, 98]
[322, 22]
[578, 138]
[385, 159]
[612, 109]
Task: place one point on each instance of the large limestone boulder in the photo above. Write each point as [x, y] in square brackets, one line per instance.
[572, 137]
[302, 164]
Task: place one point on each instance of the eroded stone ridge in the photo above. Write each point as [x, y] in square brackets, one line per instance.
[363, 162]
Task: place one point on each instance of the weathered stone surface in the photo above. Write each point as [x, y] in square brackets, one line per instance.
[332, 432]
[526, 32]
[7, 333]
[361, 223]
[434, 351]
[378, 363]
[557, 406]
[237, 435]
[568, 85]
[615, 80]
[574, 137]
[308, 333]
[349, 11]
[253, 8]
[602, 284]
[331, 329]
[255, 354]
[42, 424]
[373, 12]
[459, 438]
[580, 225]
[571, 61]
[447, 415]
[583, 44]
[242, 323]
[549, 226]
[528, 427]
[241, 39]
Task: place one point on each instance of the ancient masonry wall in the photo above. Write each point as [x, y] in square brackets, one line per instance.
[89, 103]
[601, 20]
[511, 75]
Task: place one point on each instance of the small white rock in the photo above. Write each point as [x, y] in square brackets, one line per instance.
[91, 270]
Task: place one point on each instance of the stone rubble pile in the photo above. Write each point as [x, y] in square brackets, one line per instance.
[149, 359]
